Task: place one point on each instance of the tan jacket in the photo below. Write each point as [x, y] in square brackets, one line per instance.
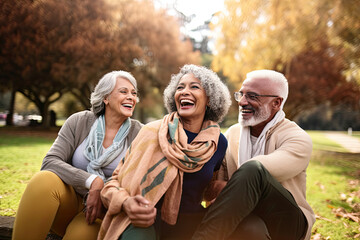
[287, 154]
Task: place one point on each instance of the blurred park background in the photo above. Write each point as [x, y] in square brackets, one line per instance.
[52, 53]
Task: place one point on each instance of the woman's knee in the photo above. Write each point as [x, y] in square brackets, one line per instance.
[79, 229]
[45, 181]
[47, 187]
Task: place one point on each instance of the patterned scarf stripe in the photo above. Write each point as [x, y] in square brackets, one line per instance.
[173, 127]
[197, 148]
[195, 159]
[159, 179]
[189, 163]
[152, 168]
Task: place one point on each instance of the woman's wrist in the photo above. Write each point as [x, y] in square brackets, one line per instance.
[97, 184]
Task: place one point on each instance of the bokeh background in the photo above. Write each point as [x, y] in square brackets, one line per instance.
[52, 53]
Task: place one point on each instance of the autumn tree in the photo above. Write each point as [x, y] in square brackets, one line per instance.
[11, 14]
[47, 47]
[280, 34]
[315, 76]
[345, 32]
[50, 48]
[149, 42]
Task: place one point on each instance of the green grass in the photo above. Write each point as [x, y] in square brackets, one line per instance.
[332, 172]
[332, 178]
[20, 158]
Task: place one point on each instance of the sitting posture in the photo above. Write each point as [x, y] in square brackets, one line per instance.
[157, 189]
[266, 163]
[64, 196]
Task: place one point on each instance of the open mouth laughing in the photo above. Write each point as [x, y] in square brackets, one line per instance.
[186, 103]
[128, 106]
[246, 111]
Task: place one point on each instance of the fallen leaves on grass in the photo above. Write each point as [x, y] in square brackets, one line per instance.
[318, 236]
[349, 198]
[341, 212]
[323, 218]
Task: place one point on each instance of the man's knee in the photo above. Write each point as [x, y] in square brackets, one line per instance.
[249, 169]
[253, 165]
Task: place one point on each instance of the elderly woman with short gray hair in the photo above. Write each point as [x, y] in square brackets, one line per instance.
[157, 190]
[64, 197]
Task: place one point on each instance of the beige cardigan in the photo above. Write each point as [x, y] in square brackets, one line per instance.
[287, 154]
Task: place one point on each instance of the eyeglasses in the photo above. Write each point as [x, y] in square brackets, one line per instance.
[250, 96]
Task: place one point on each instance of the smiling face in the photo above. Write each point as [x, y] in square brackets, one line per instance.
[122, 100]
[190, 98]
[257, 112]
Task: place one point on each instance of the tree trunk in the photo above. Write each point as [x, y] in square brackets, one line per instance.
[44, 111]
[9, 116]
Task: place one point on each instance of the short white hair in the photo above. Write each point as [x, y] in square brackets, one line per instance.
[278, 79]
[104, 87]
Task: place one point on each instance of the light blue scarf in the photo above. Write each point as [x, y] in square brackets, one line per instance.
[94, 148]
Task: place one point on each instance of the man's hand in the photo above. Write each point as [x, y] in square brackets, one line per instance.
[139, 211]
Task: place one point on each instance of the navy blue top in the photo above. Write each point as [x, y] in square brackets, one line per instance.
[194, 184]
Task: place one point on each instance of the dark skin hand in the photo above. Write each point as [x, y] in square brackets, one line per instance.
[94, 208]
[139, 211]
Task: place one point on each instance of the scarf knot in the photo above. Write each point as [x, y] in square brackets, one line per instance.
[94, 149]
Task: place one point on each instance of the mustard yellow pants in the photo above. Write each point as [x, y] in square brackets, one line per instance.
[48, 204]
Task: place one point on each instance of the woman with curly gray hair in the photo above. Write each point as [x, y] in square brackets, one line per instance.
[157, 190]
[216, 91]
[64, 196]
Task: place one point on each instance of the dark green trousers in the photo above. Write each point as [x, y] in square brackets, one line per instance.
[138, 233]
[253, 205]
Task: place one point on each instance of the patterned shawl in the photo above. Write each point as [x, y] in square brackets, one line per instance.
[153, 166]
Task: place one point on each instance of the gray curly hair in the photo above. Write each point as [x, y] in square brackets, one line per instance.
[216, 90]
[104, 87]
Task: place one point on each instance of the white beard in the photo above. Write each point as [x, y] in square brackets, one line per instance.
[261, 115]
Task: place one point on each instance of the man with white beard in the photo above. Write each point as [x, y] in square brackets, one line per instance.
[264, 171]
